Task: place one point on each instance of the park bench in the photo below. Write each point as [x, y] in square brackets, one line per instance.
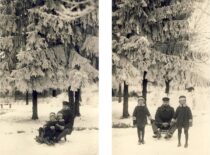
[2, 105]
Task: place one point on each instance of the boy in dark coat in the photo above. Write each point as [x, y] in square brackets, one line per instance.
[140, 115]
[183, 119]
[60, 125]
[47, 132]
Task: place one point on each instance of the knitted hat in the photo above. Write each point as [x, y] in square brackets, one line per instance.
[141, 98]
[52, 114]
[182, 97]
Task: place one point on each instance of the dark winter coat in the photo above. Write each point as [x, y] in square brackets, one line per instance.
[58, 130]
[141, 113]
[68, 117]
[164, 114]
[60, 123]
[182, 115]
[48, 132]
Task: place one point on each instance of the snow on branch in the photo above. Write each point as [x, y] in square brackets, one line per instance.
[91, 46]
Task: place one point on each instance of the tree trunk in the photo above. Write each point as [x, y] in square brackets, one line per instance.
[125, 101]
[77, 103]
[120, 93]
[15, 95]
[167, 89]
[144, 86]
[34, 108]
[27, 98]
[97, 63]
[71, 98]
[54, 92]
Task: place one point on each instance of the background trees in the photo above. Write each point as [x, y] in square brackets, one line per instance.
[47, 38]
[157, 41]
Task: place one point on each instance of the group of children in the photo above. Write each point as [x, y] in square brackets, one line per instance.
[182, 118]
[49, 132]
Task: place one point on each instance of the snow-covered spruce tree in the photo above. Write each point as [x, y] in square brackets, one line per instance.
[128, 17]
[165, 25]
[168, 28]
[9, 41]
[136, 49]
[90, 49]
[74, 22]
[51, 30]
[123, 72]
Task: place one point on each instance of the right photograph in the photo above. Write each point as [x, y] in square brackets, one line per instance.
[160, 77]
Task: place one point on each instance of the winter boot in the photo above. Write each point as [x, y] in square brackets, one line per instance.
[179, 144]
[168, 136]
[39, 139]
[186, 145]
[157, 135]
[47, 141]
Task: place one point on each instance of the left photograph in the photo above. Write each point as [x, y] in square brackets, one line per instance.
[49, 66]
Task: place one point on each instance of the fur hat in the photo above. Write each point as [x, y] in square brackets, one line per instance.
[165, 99]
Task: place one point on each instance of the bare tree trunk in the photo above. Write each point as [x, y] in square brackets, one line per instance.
[120, 93]
[97, 63]
[27, 98]
[167, 89]
[34, 108]
[77, 103]
[125, 101]
[71, 97]
[144, 86]
[54, 92]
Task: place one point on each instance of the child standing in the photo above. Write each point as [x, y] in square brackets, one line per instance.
[140, 119]
[183, 119]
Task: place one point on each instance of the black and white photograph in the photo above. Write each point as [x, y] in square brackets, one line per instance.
[49, 74]
[160, 77]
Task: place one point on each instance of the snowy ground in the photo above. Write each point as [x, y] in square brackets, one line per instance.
[125, 139]
[17, 130]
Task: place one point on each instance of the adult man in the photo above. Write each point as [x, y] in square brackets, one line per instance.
[68, 117]
[163, 118]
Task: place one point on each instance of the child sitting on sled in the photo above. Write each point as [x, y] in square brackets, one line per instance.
[47, 132]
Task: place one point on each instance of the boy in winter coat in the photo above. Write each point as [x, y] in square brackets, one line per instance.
[183, 119]
[60, 125]
[47, 132]
[140, 115]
